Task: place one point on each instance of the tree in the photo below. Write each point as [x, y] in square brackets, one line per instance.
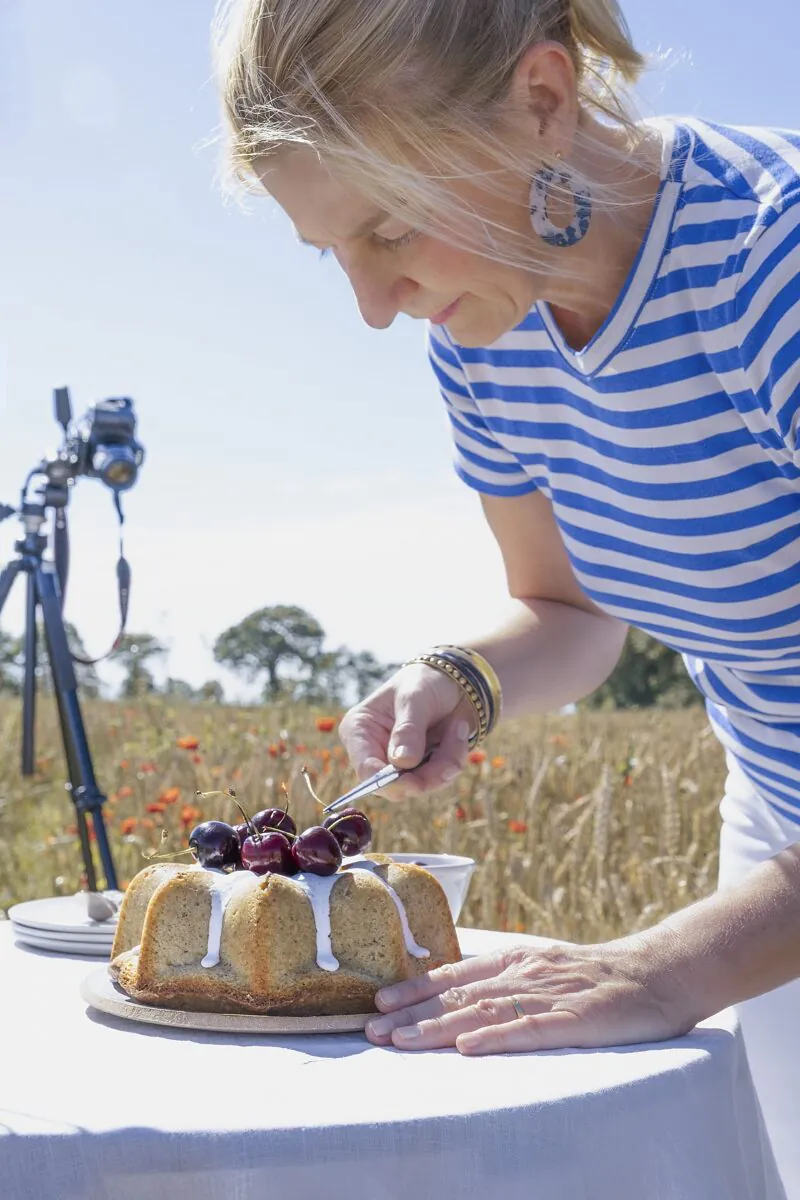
[9, 676]
[344, 676]
[179, 689]
[134, 651]
[211, 691]
[269, 642]
[366, 672]
[12, 662]
[648, 675]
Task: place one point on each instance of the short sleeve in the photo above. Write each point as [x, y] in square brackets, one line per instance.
[479, 459]
[768, 328]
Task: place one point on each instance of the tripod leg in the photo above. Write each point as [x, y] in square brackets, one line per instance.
[85, 792]
[7, 576]
[29, 679]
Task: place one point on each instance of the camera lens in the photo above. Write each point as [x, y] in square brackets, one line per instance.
[116, 466]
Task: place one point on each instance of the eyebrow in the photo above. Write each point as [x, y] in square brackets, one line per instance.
[364, 228]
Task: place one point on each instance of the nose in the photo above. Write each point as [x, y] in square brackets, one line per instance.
[381, 291]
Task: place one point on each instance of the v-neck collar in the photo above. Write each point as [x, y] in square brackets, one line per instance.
[612, 333]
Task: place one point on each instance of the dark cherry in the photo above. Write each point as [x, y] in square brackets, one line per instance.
[274, 818]
[317, 851]
[351, 829]
[269, 853]
[215, 844]
[242, 832]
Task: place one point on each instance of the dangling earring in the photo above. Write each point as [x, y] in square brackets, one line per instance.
[582, 200]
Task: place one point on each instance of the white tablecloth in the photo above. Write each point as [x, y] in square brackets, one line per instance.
[96, 1108]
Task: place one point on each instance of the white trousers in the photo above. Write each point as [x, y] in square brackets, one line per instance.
[751, 833]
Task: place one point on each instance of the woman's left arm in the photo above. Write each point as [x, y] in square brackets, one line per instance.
[647, 987]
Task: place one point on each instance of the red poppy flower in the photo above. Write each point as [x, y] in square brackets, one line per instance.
[518, 826]
[476, 757]
[187, 743]
[170, 795]
[128, 825]
[326, 724]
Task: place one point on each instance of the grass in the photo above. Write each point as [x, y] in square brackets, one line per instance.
[585, 827]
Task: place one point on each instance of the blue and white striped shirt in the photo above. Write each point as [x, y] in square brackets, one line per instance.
[668, 447]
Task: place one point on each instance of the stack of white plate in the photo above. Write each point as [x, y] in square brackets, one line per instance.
[62, 923]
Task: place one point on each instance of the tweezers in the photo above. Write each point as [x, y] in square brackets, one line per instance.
[380, 779]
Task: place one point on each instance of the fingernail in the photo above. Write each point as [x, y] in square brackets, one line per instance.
[388, 995]
[409, 1032]
[462, 730]
[401, 752]
[450, 773]
[380, 1027]
[469, 1041]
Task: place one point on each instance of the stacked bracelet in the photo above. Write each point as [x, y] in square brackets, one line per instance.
[476, 678]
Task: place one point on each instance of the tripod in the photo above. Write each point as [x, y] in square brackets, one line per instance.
[45, 585]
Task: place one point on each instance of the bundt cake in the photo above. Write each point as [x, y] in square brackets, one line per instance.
[192, 937]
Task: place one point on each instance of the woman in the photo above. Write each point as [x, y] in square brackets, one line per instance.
[614, 324]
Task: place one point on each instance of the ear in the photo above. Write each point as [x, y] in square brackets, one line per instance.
[543, 96]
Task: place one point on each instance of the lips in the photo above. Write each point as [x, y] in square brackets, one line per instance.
[446, 313]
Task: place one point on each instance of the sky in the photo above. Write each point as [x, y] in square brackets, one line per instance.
[294, 456]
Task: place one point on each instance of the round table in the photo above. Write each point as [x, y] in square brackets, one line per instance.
[96, 1108]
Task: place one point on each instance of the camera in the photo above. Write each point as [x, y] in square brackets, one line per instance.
[102, 444]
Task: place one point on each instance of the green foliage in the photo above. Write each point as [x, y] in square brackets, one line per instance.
[286, 644]
[281, 642]
[212, 691]
[648, 675]
[12, 663]
[132, 654]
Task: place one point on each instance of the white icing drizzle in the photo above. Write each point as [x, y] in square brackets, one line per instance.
[223, 885]
[317, 888]
[413, 949]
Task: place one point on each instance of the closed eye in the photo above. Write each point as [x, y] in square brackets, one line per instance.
[398, 242]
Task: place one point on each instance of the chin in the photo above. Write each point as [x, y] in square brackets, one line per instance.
[477, 334]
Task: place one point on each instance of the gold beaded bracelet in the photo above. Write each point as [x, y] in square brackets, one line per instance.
[486, 670]
[486, 699]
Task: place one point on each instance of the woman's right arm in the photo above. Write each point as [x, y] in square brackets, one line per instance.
[558, 649]
[561, 646]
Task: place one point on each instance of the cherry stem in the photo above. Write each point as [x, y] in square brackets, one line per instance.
[304, 773]
[274, 829]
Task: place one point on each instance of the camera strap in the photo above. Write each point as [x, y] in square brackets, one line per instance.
[123, 593]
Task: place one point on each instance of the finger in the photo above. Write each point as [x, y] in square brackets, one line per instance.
[444, 1029]
[447, 760]
[365, 737]
[453, 1000]
[408, 741]
[558, 1030]
[422, 987]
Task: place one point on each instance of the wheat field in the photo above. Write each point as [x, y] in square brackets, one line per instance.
[584, 827]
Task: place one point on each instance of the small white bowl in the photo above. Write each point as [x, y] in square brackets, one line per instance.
[453, 873]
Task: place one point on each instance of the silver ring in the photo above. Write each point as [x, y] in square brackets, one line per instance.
[518, 1009]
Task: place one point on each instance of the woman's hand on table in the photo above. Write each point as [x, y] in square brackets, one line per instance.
[619, 993]
[414, 710]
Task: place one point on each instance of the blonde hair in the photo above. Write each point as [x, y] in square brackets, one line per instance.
[403, 96]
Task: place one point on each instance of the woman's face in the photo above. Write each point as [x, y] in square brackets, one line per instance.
[394, 269]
